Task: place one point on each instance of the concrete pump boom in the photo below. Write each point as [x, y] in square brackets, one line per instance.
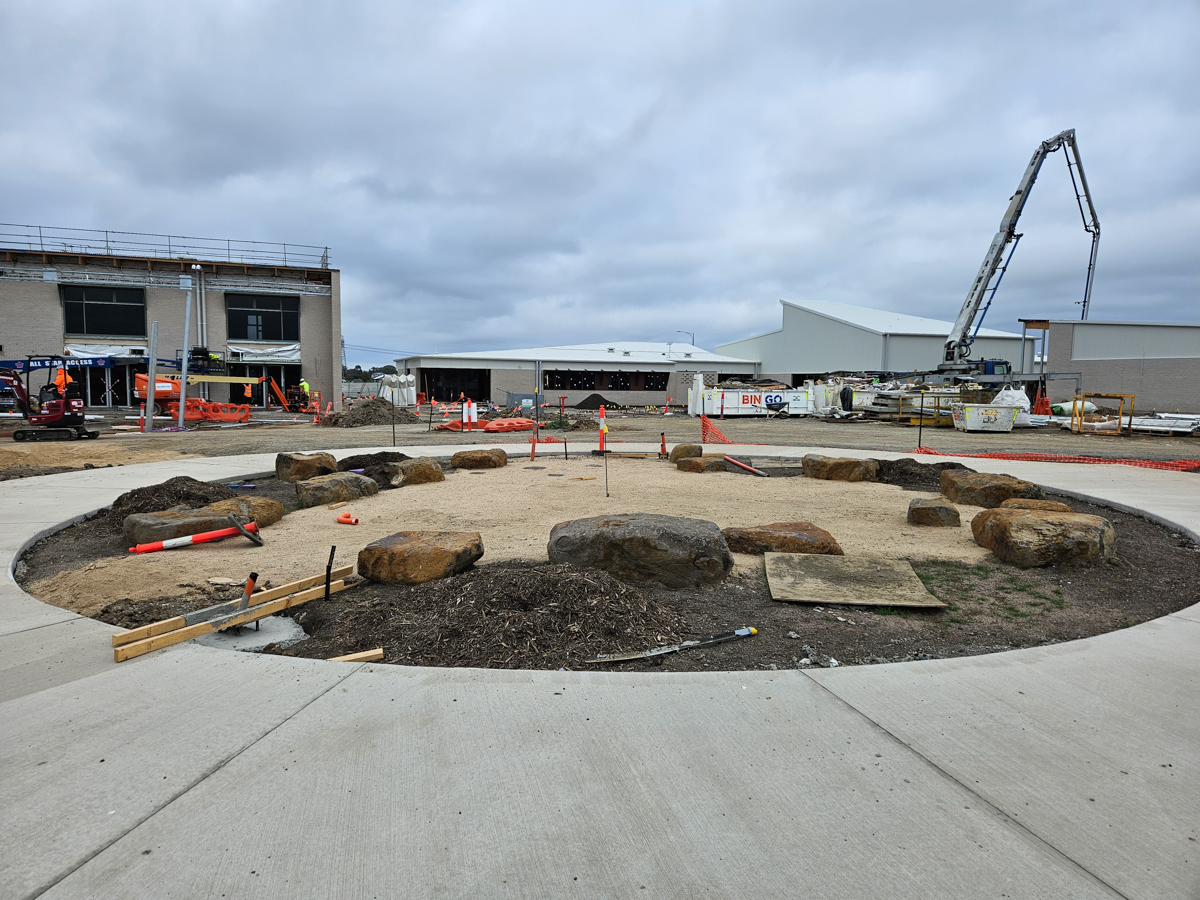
[958, 345]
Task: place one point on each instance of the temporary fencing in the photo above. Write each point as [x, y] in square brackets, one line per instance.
[711, 434]
[1178, 465]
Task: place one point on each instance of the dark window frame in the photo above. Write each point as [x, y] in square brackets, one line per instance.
[275, 314]
[105, 304]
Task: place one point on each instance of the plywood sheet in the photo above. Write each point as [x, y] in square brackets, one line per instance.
[853, 580]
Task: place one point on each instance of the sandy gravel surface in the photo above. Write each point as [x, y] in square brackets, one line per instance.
[514, 509]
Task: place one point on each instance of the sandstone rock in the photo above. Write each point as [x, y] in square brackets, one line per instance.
[836, 468]
[145, 528]
[685, 451]
[413, 557]
[1034, 537]
[701, 464]
[262, 510]
[479, 459]
[671, 550]
[933, 512]
[303, 466]
[782, 537]
[984, 489]
[1047, 505]
[335, 488]
[421, 470]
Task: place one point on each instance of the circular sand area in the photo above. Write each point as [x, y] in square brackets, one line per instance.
[513, 509]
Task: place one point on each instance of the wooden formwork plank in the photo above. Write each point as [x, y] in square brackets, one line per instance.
[177, 622]
[362, 656]
[138, 648]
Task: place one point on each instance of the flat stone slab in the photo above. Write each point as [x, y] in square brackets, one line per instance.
[850, 580]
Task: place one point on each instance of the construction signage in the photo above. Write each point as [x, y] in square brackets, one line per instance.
[72, 362]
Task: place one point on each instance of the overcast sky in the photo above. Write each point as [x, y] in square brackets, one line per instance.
[507, 174]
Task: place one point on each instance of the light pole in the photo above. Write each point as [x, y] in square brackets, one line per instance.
[690, 334]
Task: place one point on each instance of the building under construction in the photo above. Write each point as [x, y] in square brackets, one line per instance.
[259, 309]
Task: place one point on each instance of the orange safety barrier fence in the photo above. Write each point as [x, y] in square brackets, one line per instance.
[711, 434]
[1178, 465]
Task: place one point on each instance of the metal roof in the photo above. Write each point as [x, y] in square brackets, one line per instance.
[612, 351]
[882, 321]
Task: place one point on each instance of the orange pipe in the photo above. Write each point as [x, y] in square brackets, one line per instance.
[347, 519]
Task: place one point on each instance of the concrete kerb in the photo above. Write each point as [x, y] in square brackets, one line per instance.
[1058, 847]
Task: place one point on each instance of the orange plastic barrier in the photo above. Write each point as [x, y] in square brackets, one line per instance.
[1178, 465]
[196, 410]
[510, 425]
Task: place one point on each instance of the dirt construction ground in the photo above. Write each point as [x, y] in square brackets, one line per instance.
[531, 614]
[126, 449]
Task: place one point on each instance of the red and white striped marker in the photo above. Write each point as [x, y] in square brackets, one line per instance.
[172, 543]
[470, 414]
[603, 429]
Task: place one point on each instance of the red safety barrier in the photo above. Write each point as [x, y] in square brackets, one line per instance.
[1178, 465]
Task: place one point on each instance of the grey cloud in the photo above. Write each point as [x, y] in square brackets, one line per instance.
[500, 174]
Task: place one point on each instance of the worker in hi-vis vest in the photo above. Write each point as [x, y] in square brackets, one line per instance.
[304, 387]
[61, 380]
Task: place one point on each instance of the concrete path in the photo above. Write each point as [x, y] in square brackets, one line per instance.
[1065, 771]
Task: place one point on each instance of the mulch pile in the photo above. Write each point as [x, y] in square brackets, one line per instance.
[373, 465]
[914, 476]
[510, 615]
[373, 411]
[573, 424]
[178, 491]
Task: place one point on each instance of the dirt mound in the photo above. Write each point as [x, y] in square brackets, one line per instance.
[914, 476]
[181, 490]
[372, 465]
[512, 615]
[371, 412]
[593, 401]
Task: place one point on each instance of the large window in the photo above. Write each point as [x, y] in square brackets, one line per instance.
[566, 380]
[103, 311]
[254, 318]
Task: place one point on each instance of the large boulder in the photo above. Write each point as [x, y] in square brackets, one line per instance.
[701, 464]
[782, 537]
[146, 528]
[1033, 537]
[336, 488]
[671, 550]
[937, 511]
[413, 557]
[1047, 505]
[421, 470]
[838, 468]
[984, 489]
[262, 510]
[479, 459]
[685, 451]
[303, 466]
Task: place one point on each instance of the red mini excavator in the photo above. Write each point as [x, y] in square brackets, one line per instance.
[57, 412]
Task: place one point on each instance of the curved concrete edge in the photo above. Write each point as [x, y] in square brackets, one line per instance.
[1067, 770]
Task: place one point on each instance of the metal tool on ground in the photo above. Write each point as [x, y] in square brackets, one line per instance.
[206, 537]
[750, 469]
[674, 648]
[247, 591]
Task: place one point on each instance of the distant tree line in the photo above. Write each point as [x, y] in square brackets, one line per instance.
[358, 374]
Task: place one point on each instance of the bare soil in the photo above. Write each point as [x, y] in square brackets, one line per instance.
[522, 612]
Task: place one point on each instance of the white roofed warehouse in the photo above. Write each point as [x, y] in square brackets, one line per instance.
[819, 337]
[622, 373]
